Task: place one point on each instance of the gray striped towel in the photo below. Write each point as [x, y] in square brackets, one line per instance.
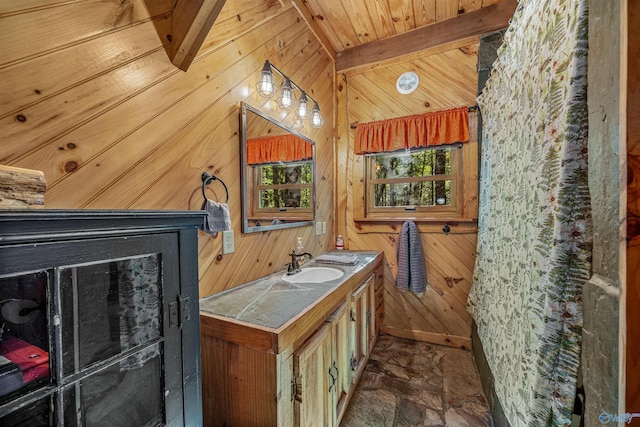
[411, 271]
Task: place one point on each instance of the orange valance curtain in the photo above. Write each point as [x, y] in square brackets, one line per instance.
[423, 130]
[282, 148]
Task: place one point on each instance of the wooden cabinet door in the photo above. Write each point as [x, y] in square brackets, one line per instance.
[359, 335]
[371, 316]
[339, 322]
[379, 299]
[314, 377]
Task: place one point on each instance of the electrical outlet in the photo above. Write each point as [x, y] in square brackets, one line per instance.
[324, 227]
[318, 228]
[227, 242]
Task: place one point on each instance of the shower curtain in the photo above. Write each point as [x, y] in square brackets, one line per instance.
[534, 229]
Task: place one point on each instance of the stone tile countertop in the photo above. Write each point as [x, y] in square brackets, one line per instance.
[271, 302]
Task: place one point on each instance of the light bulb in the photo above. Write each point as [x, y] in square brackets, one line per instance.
[286, 95]
[316, 118]
[302, 111]
[265, 84]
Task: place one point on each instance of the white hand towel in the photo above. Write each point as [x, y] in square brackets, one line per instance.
[217, 219]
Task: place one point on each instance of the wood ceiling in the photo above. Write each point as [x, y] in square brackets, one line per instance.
[351, 23]
[358, 33]
[362, 33]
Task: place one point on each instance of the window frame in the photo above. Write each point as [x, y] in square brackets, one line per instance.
[456, 177]
[289, 213]
[465, 220]
[467, 209]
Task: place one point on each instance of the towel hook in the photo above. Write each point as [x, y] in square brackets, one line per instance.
[207, 179]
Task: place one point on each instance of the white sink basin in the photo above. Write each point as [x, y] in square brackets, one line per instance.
[314, 275]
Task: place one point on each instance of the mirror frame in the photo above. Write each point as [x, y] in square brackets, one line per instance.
[245, 180]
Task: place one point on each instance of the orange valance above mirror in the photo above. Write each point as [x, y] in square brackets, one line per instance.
[422, 130]
[281, 148]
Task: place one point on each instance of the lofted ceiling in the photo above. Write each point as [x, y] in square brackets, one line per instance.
[361, 33]
[365, 33]
[351, 23]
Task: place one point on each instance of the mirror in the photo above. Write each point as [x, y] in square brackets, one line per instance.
[278, 168]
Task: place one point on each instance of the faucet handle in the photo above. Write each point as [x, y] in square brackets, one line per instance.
[290, 268]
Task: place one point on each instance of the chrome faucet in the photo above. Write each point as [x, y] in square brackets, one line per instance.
[293, 267]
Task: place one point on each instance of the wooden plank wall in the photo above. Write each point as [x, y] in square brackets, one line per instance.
[447, 79]
[90, 97]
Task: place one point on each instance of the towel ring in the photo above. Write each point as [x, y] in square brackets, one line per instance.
[207, 179]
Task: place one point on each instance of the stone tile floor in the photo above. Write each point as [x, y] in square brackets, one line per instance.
[411, 383]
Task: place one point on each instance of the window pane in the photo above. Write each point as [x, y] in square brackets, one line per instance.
[37, 414]
[117, 308]
[428, 162]
[429, 193]
[24, 333]
[299, 173]
[285, 198]
[128, 393]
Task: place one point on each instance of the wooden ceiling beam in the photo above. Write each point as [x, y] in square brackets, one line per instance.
[427, 38]
[191, 22]
[303, 10]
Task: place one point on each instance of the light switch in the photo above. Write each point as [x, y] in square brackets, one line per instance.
[324, 227]
[318, 228]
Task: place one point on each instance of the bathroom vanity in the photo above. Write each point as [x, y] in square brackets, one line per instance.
[280, 351]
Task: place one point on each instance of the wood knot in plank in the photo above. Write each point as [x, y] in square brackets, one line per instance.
[451, 281]
[70, 166]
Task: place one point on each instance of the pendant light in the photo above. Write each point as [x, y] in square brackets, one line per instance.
[286, 95]
[316, 118]
[265, 85]
[302, 111]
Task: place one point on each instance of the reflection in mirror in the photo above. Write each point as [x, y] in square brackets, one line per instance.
[277, 174]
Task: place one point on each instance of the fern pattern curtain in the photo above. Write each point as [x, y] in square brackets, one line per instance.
[534, 231]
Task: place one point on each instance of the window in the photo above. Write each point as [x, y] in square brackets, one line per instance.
[431, 184]
[417, 182]
[282, 188]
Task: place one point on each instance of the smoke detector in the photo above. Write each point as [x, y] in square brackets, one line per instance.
[407, 82]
